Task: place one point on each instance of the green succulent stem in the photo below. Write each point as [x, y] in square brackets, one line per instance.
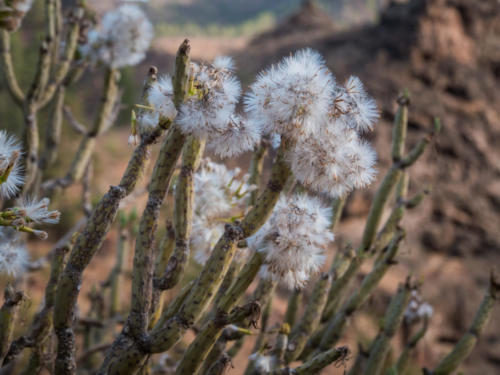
[392, 321]
[310, 319]
[468, 341]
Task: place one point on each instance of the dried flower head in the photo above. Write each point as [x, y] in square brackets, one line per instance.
[13, 257]
[13, 12]
[219, 195]
[11, 177]
[353, 106]
[36, 211]
[209, 111]
[417, 309]
[294, 239]
[160, 97]
[292, 97]
[123, 38]
[334, 163]
[263, 364]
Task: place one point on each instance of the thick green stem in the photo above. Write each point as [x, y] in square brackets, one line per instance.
[468, 341]
[183, 214]
[8, 315]
[53, 131]
[256, 165]
[15, 90]
[294, 301]
[392, 321]
[87, 244]
[310, 319]
[336, 325]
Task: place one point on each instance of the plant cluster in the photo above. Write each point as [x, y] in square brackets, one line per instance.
[238, 229]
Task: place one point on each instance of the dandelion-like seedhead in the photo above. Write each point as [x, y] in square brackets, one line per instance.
[36, 211]
[335, 163]
[160, 97]
[417, 309]
[11, 176]
[294, 240]
[122, 39]
[299, 99]
[209, 111]
[219, 195]
[293, 97]
[262, 363]
[13, 257]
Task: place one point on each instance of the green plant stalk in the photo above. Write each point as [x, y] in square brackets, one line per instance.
[292, 308]
[256, 165]
[164, 252]
[392, 321]
[53, 131]
[468, 341]
[336, 325]
[87, 144]
[116, 277]
[337, 209]
[339, 267]
[310, 319]
[8, 316]
[278, 352]
[220, 366]
[143, 266]
[200, 296]
[41, 329]
[317, 363]
[61, 72]
[9, 74]
[41, 326]
[400, 128]
[403, 361]
[87, 244]
[183, 214]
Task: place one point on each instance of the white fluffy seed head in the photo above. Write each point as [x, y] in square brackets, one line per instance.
[123, 38]
[209, 111]
[292, 97]
[294, 240]
[240, 135]
[417, 309]
[219, 195]
[160, 97]
[11, 176]
[36, 211]
[334, 163]
[354, 106]
[13, 257]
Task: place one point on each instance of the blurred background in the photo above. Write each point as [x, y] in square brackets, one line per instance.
[446, 53]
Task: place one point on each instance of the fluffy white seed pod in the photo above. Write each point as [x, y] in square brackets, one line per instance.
[335, 162]
[160, 97]
[122, 39]
[417, 309]
[354, 106]
[11, 176]
[262, 363]
[294, 240]
[293, 97]
[240, 135]
[209, 112]
[219, 195]
[13, 257]
[34, 210]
